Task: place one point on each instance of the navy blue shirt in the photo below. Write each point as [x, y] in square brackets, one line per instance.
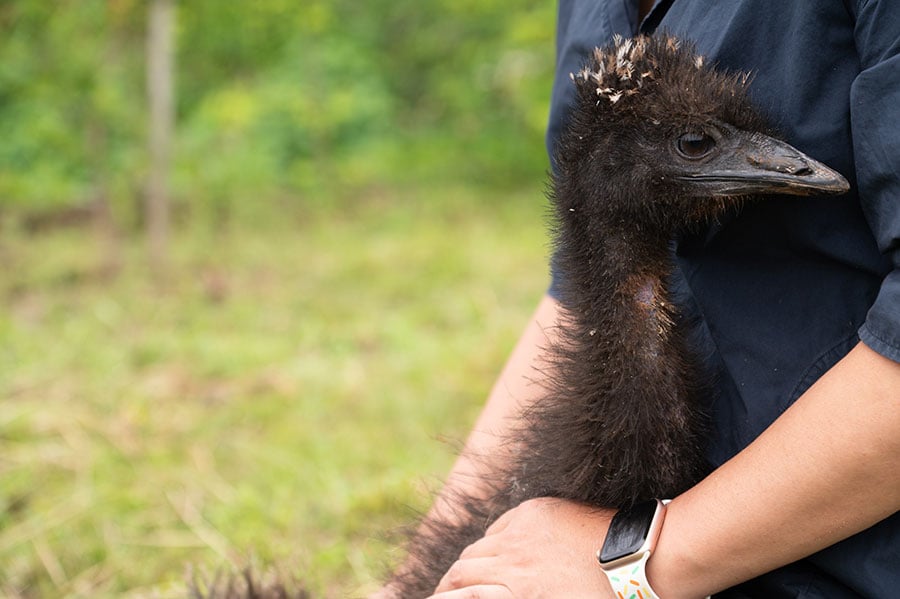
[785, 289]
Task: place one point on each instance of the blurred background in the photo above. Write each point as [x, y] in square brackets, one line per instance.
[260, 263]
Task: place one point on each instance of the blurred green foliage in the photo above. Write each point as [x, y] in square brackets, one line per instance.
[277, 394]
[310, 102]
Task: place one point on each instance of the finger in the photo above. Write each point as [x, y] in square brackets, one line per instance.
[484, 547]
[469, 572]
[500, 523]
[481, 591]
[526, 509]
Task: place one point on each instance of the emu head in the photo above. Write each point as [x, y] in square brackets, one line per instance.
[659, 137]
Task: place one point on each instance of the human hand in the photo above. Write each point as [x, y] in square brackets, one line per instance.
[544, 547]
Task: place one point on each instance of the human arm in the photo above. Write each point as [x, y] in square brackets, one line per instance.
[803, 485]
[513, 389]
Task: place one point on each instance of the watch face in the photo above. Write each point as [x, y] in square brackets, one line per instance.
[628, 531]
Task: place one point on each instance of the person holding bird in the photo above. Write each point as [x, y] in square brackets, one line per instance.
[793, 308]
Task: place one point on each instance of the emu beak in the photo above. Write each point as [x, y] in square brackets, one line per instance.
[759, 164]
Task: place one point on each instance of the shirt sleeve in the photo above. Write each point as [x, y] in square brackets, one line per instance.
[875, 120]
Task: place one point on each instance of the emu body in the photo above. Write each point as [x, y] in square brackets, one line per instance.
[658, 144]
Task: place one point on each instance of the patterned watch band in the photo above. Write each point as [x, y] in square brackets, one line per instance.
[630, 581]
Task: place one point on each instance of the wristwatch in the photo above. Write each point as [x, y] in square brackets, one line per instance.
[630, 540]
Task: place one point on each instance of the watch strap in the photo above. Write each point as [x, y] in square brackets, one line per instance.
[629, 581]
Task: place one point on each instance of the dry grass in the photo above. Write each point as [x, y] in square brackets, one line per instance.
[275, 402]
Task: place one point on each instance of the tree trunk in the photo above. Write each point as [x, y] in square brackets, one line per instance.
[160, 92]
[106, 233]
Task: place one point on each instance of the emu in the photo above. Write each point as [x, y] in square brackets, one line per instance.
[658, 145]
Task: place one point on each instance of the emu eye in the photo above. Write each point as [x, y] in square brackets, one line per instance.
[694, 146]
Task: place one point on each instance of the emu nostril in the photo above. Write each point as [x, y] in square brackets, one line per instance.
[803, 171]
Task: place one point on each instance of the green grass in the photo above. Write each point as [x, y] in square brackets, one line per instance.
[280, 399]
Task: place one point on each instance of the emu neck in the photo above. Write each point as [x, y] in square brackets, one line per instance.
[627, 296]
[621, 423]
[629, 252]
[643, 279]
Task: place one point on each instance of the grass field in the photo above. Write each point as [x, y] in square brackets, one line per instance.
[283, 398]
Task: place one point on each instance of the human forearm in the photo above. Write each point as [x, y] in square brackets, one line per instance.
[489, 442]
[806, 483]
[803, 485]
